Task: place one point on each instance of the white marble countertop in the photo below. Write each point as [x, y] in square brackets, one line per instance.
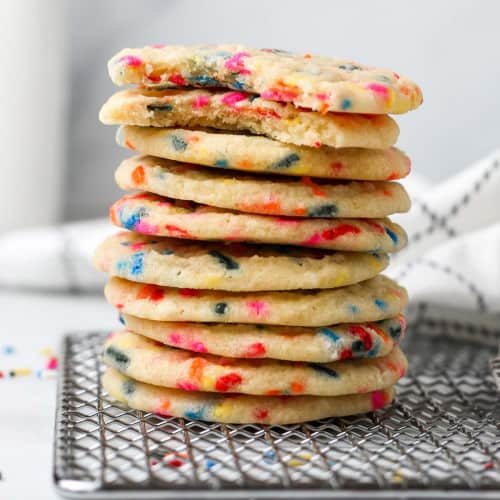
[30, 323]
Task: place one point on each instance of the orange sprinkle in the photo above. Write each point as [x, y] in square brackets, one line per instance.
[297, 387]
[307, 56]
[138, 175]
[245, 164]
[317, 191]
[266, 207]
[193, 138]
[324, 108]
[196, 369]
[129, 144]
[273, 392]
[112, 215]
[299, 211]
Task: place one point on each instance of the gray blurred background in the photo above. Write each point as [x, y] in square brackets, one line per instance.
[450, 47]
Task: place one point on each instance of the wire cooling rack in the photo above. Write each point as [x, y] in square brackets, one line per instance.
[440, 439]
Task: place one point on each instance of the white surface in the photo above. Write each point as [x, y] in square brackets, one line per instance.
[31, 322]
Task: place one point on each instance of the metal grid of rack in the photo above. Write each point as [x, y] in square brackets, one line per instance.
[441, 438]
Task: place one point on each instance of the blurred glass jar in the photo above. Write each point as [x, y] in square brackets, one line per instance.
[32, 104]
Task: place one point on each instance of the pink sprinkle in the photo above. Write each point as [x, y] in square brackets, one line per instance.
[137, 246]
[236, 63]
[257, 307]
[130, 60]
[200, 101]
[232, 98]
[189, 292]
[177, 79]
[51, 363]
[198, 347]
[379, 89]
[322, 97]
[186, 385]
[175, 338]
[313, 240]
[278, 95]
[378, 400]
[158, 46]
[145, 228]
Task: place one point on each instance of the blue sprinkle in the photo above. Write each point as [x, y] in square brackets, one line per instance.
[346, 104]
[120, 318]
[8, 350]
[220, 308]
[128, 387]
[353, 308]
[238, 85]
[269, 457]
[324, 370]
[137, 263]
[166, 251]
[120, 358]
[349, 67]
[330, 334]
[179, 143]
[204, 80]
[225, 261]
[381, 304]
[328, 210]
[392, 235]
[194, 414]
[160, 107]
[358, 346]
[209, 464]
[285, 162]
[395, 332]
[221, 163]
[133, 219]
[374, 350]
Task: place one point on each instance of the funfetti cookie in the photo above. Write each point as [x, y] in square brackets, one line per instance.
[147, 361]
[248, 113]
[314, 82]
[253, 153]
[151, 214]
[372, 300]
[269, 195]
[238, 408]
[236, 266]
[316, 345]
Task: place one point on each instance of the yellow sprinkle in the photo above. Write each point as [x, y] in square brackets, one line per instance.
[298, 462]
[207, 383]
[212, 281]
[17, 372]
[222, 410]
[341, 278]
[47, 352]
[397, 477]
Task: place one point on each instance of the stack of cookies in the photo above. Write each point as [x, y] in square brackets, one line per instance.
[248, 278]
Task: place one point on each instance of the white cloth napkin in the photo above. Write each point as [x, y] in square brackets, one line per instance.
[453, 256]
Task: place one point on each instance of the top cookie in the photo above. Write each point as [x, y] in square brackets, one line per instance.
[313, 82]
